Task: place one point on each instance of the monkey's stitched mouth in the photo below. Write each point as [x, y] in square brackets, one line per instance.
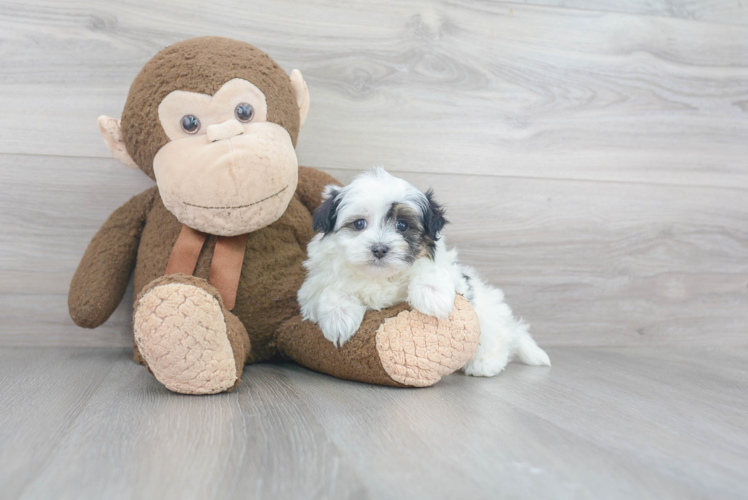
[237, 206]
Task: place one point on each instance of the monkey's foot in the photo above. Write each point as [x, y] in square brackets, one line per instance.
[189, 341]
[418, 350]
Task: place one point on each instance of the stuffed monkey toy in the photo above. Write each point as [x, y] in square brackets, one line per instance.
[217, 246]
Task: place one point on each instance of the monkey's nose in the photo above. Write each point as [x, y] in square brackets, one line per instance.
[225, 130]
[379, 251]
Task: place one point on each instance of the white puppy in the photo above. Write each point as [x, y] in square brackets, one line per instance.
[378, 244]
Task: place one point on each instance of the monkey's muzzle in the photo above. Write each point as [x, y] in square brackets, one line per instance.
[229, 186]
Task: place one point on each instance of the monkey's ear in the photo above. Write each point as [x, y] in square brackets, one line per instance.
[301, 92]
[111, 132]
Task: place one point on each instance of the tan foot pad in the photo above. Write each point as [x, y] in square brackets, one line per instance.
[418, 350]
[181, 332]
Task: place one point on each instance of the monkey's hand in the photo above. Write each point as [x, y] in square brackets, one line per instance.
[104, 271]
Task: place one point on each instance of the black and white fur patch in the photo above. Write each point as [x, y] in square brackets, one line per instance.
[378, 244]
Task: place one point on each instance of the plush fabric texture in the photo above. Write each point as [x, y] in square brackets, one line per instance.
[266, 315]
[271, 274]
[111, 132]
[398, 346]
[357, 359]
[181, 332]
[236, 200]
[213, 111]
[418, 350]
[185, 333]
[201, 65]
[100, 281]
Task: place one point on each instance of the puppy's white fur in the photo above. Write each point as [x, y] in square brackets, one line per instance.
[345, 278]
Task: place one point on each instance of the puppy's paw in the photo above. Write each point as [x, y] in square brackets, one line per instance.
[432, 299]
[338, 325]
[487, 363]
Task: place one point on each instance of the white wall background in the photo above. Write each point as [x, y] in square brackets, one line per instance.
[593, 153]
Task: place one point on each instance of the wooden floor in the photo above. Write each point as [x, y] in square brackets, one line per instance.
[593, 155]
[602, 423]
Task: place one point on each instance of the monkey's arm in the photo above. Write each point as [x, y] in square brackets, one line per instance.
[395, 346]
[311, 184]
[102, 275]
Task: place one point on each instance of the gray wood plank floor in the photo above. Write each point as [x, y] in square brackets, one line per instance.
[613, 423]
[594, 160]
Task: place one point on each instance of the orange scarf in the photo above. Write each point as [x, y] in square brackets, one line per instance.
[225, 268]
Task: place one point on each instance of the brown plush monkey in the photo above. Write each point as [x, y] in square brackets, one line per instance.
[217, 246]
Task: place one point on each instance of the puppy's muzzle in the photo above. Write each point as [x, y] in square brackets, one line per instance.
[379, 251]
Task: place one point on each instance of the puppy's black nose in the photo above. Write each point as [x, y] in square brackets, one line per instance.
[379, 251]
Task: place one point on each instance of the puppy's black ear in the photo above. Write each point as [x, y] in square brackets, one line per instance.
[433, 216]
[327, 214]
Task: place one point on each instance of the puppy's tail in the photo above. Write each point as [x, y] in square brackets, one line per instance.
[528, 351]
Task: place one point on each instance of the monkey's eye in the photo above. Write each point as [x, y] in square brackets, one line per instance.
[190, 124]
[244, 112]
[401, 226]
[359, 224]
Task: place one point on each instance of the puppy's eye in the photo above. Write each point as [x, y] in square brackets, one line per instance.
[244, 112]
[359, 224]
[190, 124]
[401, 226]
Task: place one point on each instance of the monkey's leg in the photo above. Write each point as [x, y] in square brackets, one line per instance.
[190, 342]
[396, 346]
